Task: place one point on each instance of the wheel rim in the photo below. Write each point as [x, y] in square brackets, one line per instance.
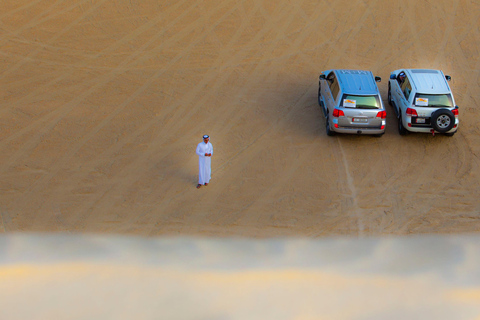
[443, 121]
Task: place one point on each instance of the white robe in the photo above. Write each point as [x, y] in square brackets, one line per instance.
[204, 163]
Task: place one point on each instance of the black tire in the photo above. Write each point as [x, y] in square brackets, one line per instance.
[390, 95]
[319, 100]
[401, 128]
[327, 128]
[390, 101]
[324, 109]
[442, 120]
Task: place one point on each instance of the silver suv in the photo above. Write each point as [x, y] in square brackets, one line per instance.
[423, 101]
[351, 102]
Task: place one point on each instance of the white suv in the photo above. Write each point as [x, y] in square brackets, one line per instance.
[351, 102]
[423, 101]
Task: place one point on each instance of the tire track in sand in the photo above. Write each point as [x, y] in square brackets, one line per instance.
[140, 90]
[254, 153]
[123, 66]
[351, 203]
[258, 73]
[35, 22]
[48, 122]
[35, 188]
[210, 76]
[213, 76]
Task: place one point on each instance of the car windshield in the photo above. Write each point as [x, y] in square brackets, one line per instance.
[360, 102]
[433, 100]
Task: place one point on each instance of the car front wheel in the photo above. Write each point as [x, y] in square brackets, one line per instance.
[389, 95]
[319, 97]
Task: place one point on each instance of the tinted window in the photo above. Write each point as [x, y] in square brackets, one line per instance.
[406, 88]
[433, 100]
[333, 84]
[360, 102]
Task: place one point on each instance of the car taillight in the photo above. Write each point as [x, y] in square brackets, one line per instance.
[412, 112]
[338, 113]
[455, 112]
[382, 114]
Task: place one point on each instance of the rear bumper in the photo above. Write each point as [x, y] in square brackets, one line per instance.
[359, 130]
[428, 129]
[348, 128]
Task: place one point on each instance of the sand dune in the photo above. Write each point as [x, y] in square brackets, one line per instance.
[103, 103]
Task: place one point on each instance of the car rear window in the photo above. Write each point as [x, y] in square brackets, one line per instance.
[360, 102]
[433, 100]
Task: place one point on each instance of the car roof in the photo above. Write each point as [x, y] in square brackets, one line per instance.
[360, 82]
[428, 80]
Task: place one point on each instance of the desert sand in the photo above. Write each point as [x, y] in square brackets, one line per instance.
[104, 102]
[102, 106]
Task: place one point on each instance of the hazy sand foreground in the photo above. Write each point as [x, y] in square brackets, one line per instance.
[103, 103]
[93, 277]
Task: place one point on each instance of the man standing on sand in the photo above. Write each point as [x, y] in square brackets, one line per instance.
[204, 151]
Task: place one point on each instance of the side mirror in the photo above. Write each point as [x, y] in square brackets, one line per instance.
[378, 79]
[393, 77]
[448, 78]
[322, 77]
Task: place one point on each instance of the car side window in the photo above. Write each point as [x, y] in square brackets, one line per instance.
[406, 88]
[333, 84]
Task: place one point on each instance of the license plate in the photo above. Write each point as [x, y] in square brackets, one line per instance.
[420, 120]
[359, 119]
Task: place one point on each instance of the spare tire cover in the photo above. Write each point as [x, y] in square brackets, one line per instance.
[442, 120]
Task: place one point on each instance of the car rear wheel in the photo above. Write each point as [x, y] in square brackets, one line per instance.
[443, 120]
